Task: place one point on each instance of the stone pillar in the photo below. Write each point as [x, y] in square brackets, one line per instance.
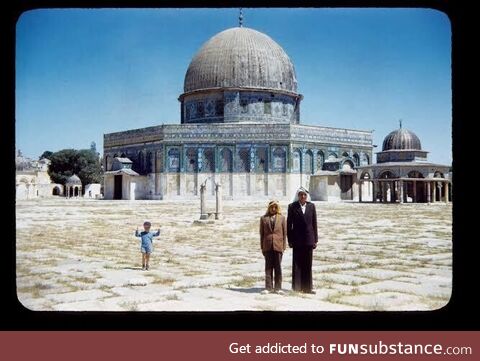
[434, 191]
[360, 185]
[414, 191]
[428, 192]
[374, 191]
[219, 201]
[446, 192]
[393, 192]
[203, 213]
[400, 190]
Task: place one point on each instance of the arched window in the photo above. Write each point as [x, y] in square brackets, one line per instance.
[365, 175]
[296, 160]
[210, 108]
[308, 162]
[192, 164]
[320, 160]
[244, 160]
[174, 160]
[208, 160]
[356, 159]
[438, 174]
[279, 160]
[226, 160]
[387, 175]
[261, 160]
[345, 154]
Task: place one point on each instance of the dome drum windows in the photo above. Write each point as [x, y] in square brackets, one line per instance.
[200, 110]
[219, 107]
[244, 105]
[267, 107]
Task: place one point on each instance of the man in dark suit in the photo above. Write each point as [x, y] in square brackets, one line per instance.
[303, 238]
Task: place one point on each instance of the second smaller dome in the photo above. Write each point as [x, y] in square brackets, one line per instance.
[401, 139]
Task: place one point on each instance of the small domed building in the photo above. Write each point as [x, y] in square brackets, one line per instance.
[73, 187]
[239, 126]
[403, 174]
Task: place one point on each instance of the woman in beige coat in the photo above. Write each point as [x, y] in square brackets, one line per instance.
[273, 235]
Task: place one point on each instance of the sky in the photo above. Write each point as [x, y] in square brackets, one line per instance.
[81, 73]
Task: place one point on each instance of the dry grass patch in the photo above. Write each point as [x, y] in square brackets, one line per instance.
[159, 280]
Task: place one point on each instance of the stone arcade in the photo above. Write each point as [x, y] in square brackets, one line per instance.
[240, 127]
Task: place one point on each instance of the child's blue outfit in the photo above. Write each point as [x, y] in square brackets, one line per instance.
[146, 245]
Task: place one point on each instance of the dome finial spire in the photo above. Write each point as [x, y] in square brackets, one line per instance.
[240, 18]
[400, 121]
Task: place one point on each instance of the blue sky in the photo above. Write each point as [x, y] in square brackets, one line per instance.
[83, 73]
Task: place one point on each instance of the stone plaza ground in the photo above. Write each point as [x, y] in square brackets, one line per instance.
[79, 254]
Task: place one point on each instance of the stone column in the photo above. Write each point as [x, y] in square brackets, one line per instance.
[400, 186]
[446, 192]
[219, 201]
[414, 191]
[393, 192]
[384, 191]
[374, 190]
[434, 191]
[428, 192]
[360, 185]
[203, 213]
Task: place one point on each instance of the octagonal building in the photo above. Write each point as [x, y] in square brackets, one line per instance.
[240, 127]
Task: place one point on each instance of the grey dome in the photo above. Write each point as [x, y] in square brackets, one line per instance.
[74, 180]
[241, 58]
[401, 139]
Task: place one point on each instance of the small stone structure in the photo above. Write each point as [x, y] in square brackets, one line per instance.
[73, 187]
[122, 182]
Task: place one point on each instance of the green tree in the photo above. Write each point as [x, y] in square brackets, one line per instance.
[47, 154]
[83, 163]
